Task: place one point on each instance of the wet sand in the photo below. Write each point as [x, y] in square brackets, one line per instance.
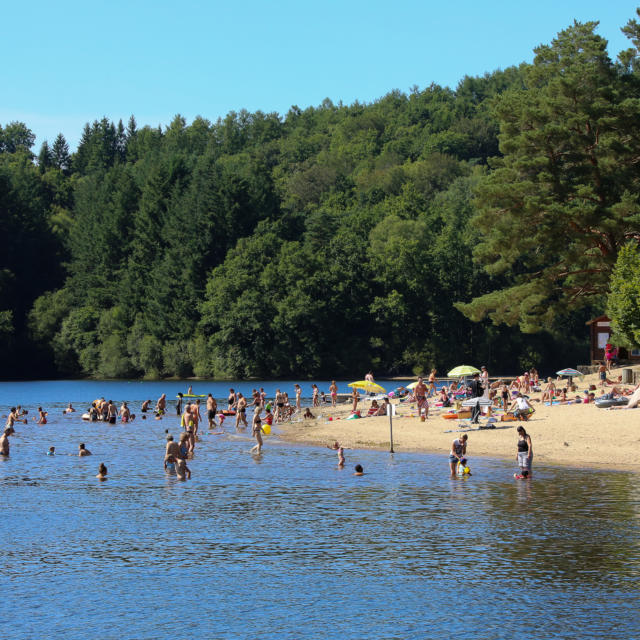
[576, 435]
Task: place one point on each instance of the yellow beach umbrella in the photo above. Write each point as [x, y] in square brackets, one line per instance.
[367, 386]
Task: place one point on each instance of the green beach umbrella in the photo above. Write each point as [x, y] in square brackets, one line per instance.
[462, 370]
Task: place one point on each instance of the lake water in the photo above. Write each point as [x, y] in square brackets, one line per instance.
[286, 545]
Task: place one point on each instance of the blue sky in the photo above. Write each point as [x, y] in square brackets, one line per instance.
[71, 62]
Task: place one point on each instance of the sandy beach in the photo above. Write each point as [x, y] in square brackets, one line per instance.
[576, 435]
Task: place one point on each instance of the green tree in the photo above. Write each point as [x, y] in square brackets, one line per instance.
[623, 302]
[564, 197]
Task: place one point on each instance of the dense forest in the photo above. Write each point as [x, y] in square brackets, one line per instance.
[481, 224]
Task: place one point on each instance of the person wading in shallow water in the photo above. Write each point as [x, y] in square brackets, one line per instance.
[524, 456]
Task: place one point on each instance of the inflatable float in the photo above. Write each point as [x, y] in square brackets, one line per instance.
[606, 402]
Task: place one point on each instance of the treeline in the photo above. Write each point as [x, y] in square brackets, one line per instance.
[329, 241]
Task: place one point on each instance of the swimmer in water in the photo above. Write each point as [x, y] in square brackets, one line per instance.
[42, 416]
[359, 471]
[182, 471]
[102, 471]
[341, 457]
[170, 464]
[69, 409]
[52, 451]
[4, 441]
[82, 451]
[172, 450]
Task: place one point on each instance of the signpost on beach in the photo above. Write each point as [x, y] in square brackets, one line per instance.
[391, 410]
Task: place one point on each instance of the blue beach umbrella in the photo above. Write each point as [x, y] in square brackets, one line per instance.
[569, 372]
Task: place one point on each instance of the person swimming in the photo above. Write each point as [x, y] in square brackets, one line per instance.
[359, 471]
[341, 459]
[52, 451]
[102, 471]
[82, 451]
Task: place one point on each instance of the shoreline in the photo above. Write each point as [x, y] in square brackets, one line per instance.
[579, 436]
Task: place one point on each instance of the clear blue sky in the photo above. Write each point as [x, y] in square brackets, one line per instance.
[70, 62]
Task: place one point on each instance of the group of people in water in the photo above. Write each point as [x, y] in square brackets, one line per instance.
[266, 412]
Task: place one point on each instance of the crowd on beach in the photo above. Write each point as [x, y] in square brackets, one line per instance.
[427, 395]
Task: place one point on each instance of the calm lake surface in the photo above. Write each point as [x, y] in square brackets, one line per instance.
[286, 545]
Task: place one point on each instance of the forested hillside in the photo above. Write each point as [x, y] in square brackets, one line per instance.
[333, 239]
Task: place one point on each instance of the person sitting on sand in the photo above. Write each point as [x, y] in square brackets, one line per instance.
[307, 415]
[373, 409]
[549, 391]
[521, 407]
[83, 451]
[102, 471]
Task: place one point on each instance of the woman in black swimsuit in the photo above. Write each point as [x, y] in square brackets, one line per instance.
[525, 451]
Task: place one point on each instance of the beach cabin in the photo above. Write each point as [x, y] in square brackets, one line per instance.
[600, 332]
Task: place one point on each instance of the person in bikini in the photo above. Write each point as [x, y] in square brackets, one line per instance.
[432, 383]
[333, 390]
[256, 432]
[298, 397]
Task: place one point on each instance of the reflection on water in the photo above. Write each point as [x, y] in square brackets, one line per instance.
[286, 545]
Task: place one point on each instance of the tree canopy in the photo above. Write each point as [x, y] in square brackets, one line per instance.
[422, 230]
